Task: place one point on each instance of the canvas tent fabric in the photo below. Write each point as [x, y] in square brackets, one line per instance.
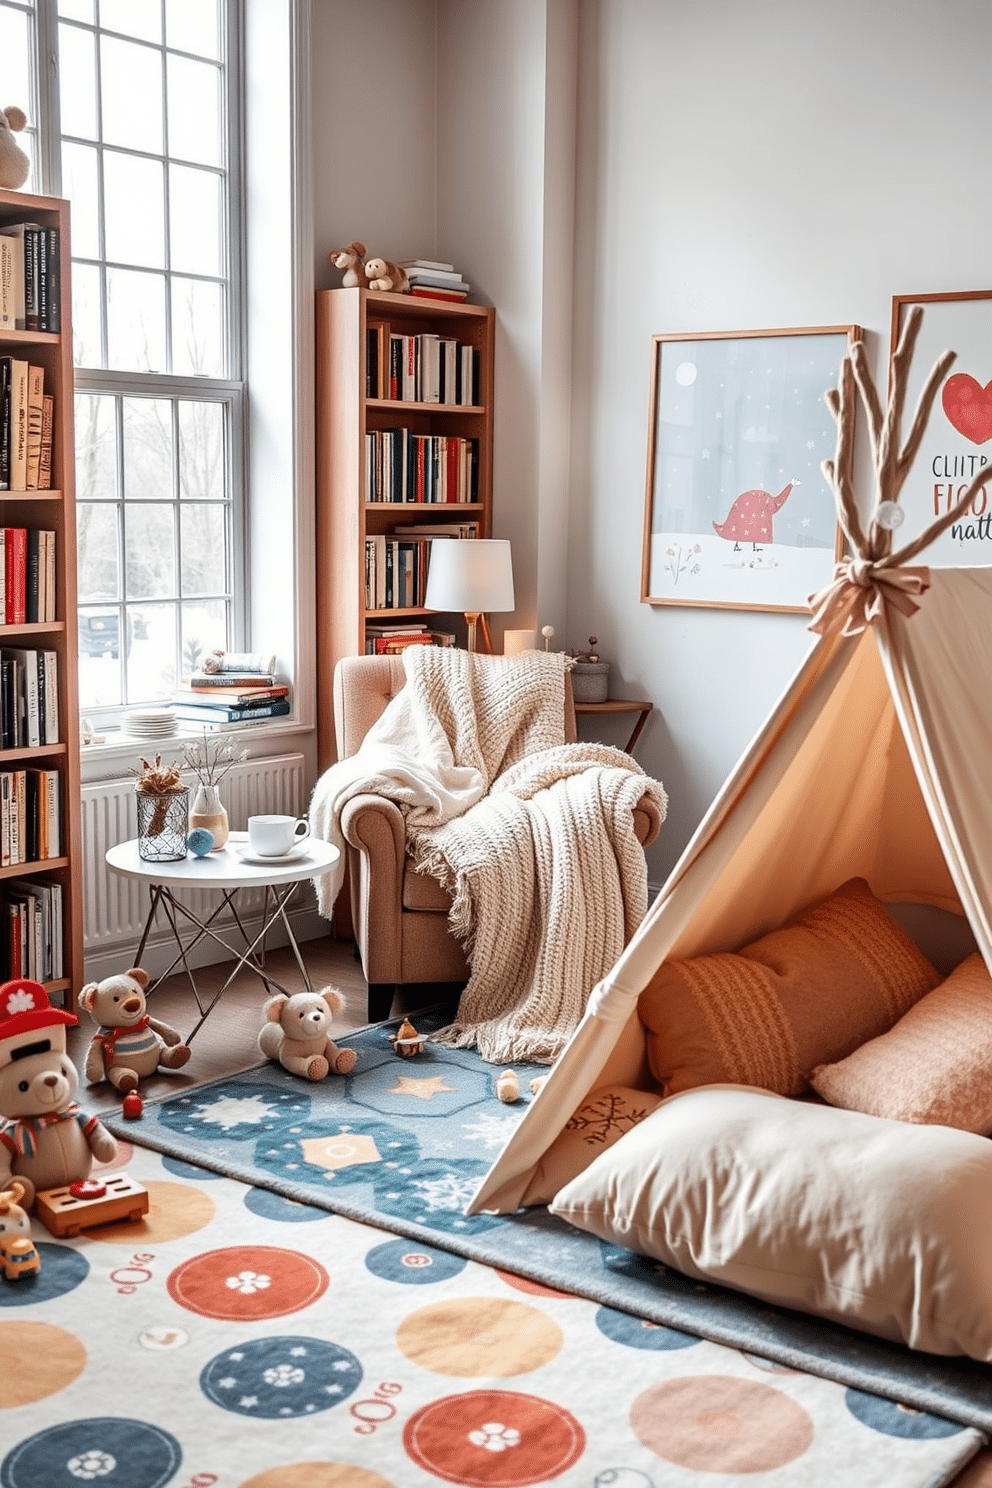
[874, 765]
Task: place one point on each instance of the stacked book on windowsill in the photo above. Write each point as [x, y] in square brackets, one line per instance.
[435, 281]
[218, 699]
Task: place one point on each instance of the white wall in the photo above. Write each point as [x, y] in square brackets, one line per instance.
[780, 163]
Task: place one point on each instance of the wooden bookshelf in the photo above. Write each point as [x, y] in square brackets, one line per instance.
[52, 510]
[346, 413]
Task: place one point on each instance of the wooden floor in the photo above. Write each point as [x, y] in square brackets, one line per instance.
[227, 1041]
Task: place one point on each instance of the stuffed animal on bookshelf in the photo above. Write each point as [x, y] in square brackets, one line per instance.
[15, 165]
[296, 1034]
[130, 1045]
[381, 274]
[46, 1140]
[352, 260]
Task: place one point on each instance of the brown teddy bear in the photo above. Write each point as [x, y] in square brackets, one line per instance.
[381, 274]
[295, 1034]
[15, 165]
[352, 260]
[46, 1141]
[130, 1044]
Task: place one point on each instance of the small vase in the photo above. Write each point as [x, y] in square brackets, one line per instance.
[208, 811]
[162, 825]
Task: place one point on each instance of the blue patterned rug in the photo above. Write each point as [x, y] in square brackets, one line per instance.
[402, 1144]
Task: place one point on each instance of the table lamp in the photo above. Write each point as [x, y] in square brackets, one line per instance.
[473, 575]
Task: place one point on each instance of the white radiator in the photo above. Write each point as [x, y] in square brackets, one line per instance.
[115, 908]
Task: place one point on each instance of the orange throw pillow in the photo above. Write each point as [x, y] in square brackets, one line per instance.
[809, 994]
[935, 1065]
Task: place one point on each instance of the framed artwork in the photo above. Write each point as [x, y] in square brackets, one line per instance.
[738, 512]
[957, 441]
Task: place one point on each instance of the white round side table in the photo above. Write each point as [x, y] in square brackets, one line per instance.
[230, 872]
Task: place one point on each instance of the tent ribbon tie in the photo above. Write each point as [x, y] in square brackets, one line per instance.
[861, 589]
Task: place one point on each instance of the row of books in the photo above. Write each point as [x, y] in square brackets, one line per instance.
[30, 290]
[424, 368]
[390, 640]
[29, 698]
[32, 930]
[401, 465]
[396, 565]
[30, 816]
[27, 416]
[27, 576]
[230, 701]
[432, 280]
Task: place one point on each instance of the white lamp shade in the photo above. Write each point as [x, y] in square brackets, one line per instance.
[470, 574]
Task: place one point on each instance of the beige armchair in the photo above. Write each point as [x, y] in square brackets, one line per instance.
[400, 917]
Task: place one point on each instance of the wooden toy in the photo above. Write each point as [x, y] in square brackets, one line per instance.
[406, 1041]
[95, 1201]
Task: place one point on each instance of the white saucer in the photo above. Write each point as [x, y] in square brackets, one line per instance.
[264, 859]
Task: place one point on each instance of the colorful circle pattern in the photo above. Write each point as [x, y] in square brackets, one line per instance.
[638, 1333]
[721, 1424]
[115, 1451]
[278, 1378]
[893, 1419]
[412, 1264]
[497, 1438]
[479, 1337]
[248, 1282]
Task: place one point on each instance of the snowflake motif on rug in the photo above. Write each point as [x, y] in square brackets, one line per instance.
[92, 1464]
[434, 1193]
[491, 1130]
[234, 1110]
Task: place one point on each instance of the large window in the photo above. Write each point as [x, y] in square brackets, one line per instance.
[136, 120]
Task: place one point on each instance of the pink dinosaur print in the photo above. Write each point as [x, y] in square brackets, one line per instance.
[750, 517]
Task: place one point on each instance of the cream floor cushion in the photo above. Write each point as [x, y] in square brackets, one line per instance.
[871, 1222]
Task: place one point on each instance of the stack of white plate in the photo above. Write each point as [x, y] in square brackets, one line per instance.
[149, 723]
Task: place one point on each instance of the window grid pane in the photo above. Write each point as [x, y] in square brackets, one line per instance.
[153, 339]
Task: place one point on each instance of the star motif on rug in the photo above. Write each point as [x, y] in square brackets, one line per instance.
[424, 1090]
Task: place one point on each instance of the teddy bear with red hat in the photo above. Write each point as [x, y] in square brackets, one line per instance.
[46, 1140]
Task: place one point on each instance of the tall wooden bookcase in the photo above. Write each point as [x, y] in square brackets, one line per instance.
[52, 510]
[346, 414]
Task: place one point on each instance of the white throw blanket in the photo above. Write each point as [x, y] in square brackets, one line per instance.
[533, 837]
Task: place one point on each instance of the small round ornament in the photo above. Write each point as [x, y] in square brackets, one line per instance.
[889, 515]
[200, 841]
[133, 1106]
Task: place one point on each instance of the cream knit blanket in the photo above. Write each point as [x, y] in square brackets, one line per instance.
[533, 837]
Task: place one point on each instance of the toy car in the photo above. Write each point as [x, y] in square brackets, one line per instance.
[18, 1257]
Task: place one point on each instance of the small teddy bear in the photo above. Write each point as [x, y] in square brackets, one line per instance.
[15, 165]
[130, 1044]
[381, 274]
[352, 260]
[46, 1141]
[295, 1034]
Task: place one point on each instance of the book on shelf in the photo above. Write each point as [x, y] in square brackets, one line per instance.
[425, 292]
[230, 695]
[30, 816]
[397, 644]
[47, 434]
[29, 708]
[14, 543]
[402, 465]
[11, 280]
[29, 700]
[14, 420]
[207, 712]
[426, 263]
[36, 404]
[39, 935]
[232, 679]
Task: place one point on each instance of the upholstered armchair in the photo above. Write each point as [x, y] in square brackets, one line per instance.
[400, 917]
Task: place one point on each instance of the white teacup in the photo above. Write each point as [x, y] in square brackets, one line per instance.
[272, 836]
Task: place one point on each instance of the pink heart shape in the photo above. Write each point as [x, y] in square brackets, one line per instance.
[968, 406]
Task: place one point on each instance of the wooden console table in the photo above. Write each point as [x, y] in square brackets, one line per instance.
[621, 705]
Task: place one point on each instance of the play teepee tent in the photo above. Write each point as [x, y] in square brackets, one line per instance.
[874, 765]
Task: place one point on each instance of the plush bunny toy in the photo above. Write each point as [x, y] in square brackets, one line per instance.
[15, 166]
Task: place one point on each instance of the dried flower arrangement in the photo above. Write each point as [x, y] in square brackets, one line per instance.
[209, 759]
[156, 779]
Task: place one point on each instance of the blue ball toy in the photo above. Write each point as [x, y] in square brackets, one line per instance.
[200, 841]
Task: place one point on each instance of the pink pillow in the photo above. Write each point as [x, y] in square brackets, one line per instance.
[933, 1067]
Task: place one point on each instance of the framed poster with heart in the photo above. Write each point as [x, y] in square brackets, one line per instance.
[958, 439]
